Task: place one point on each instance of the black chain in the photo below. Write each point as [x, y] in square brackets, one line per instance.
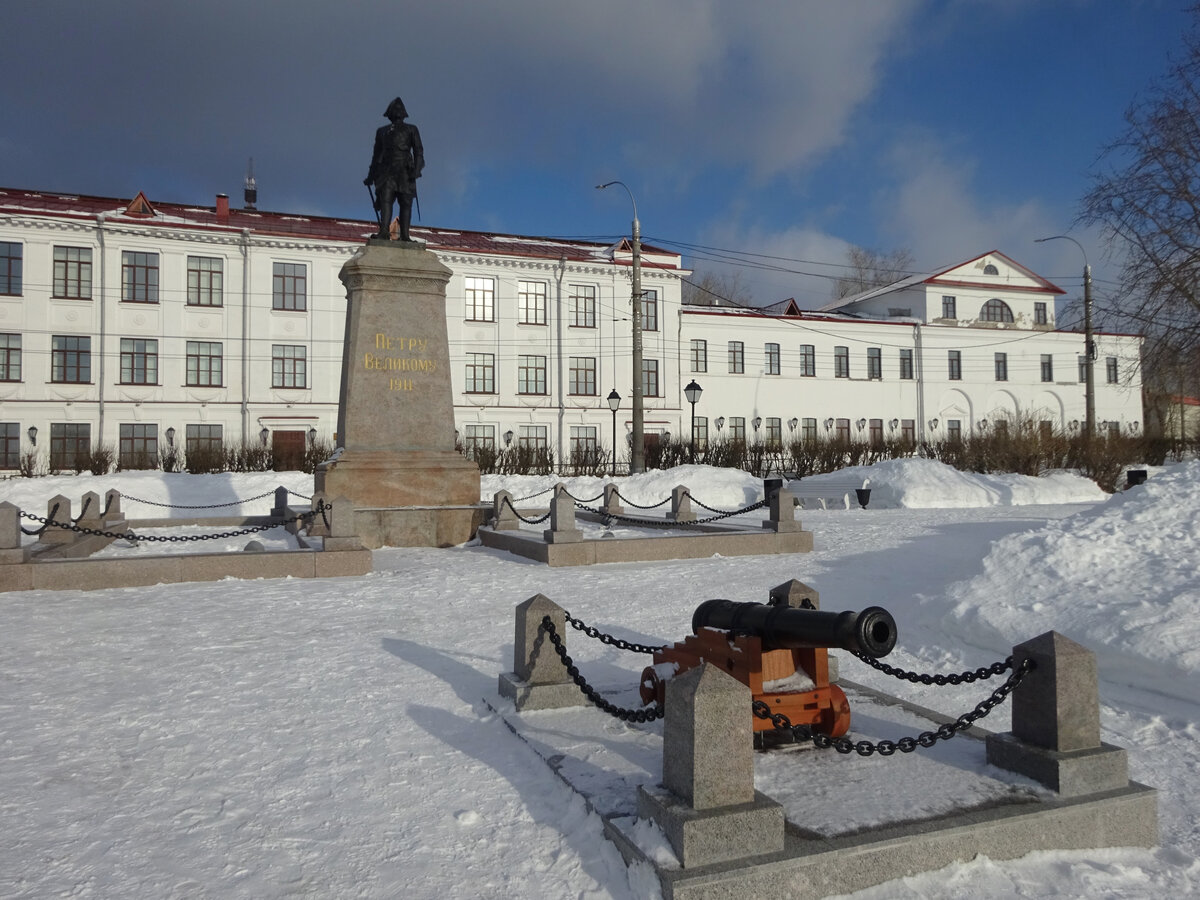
[980, 674]
[905, 744]
[670, 523]
[761, 503]
[625, 715]
[620, 643]
[579, 502]
[508, 503]
[170, 538]
[204, 505]
[46, 521]
[532, 496]
[638, 505]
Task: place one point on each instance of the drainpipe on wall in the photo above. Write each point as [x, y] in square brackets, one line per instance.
[103, 354]
[919, 365]
[245, 248]
[560, 271]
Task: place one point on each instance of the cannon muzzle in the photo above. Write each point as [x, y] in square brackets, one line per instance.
[871, 632]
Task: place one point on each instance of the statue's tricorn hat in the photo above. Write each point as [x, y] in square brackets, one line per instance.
[396, 107]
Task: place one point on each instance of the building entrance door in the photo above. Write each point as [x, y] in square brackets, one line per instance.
[288, 449]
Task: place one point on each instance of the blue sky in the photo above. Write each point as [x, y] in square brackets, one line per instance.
[789, 128]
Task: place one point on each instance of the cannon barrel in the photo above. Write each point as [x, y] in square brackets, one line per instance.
[871, 632]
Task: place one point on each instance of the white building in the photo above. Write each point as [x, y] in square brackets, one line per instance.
[931, 357]
[139, 325]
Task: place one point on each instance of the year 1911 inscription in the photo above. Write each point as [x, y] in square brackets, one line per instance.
[399, 354]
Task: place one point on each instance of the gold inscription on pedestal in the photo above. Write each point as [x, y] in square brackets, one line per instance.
[416, 363]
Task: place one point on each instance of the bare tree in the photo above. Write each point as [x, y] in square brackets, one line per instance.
[866, 269]
[716, 289]
[1145, 195]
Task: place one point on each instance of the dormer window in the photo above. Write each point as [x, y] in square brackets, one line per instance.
[995, 311]
[989, 269]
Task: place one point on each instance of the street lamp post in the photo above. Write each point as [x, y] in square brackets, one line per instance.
[637, 457]
[693, 392]
[614, 402]
[1089, 358]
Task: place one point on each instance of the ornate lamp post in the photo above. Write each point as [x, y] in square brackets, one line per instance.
[614, 403]
[693, 392]
[637, 457]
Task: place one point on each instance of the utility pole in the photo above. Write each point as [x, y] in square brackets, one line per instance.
[637, 452]
[1089, 359]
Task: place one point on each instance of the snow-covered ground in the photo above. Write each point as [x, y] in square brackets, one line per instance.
[328, 738]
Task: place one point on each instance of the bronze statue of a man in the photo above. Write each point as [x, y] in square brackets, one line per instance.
[396, 165]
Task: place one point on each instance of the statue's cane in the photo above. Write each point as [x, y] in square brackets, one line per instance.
[375, 206]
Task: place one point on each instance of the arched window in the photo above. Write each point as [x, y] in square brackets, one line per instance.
[989, 269]
[995, 311]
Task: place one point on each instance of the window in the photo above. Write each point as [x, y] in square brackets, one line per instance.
[139, 361]
[808, 429]
[205, 363]
[1046, 429]
[583, 442]
[1047, 367]
[874, 363]
[699, 356]
[737, 428]
[995, 311]
[1114, 429]
[841, 362]
[876, 432]
[737, 357]
[583, 376]
[1082, 368]
[700, 432]
[649, 310]
[478, 437]
[70, 445]
[906, 365]
[203, 439]
[1002, 367]
[771, 355]
[533, 437]
[289, 286]
[808, 360]
[1039, 313]
[954, 430]
[650, 378]
[480, 294]
[954, 362]
[138, 447]
[583, 306]
[10, 445]
[70, 359]
[205, 281]
[289, 366]
[481, 373]
[10, 357]
[10, 268]
[774, 428]
[1110, 369]
[842, 427]
[531, 302]
[989, 269]
[531, 374]
[949, 308]
[139, 277]
[1000, 428]
[908, 430]
[73, 273]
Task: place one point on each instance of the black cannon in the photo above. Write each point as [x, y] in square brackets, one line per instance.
[780, 652]
[871, 632]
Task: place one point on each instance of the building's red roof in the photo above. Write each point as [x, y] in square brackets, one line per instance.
[79, 206]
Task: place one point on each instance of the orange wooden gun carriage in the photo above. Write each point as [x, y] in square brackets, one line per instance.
[780, 652]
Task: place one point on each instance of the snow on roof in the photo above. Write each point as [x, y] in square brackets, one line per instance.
[84, 207]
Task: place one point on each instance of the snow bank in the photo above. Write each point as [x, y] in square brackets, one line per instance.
[929, 484]
[1120, 578]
